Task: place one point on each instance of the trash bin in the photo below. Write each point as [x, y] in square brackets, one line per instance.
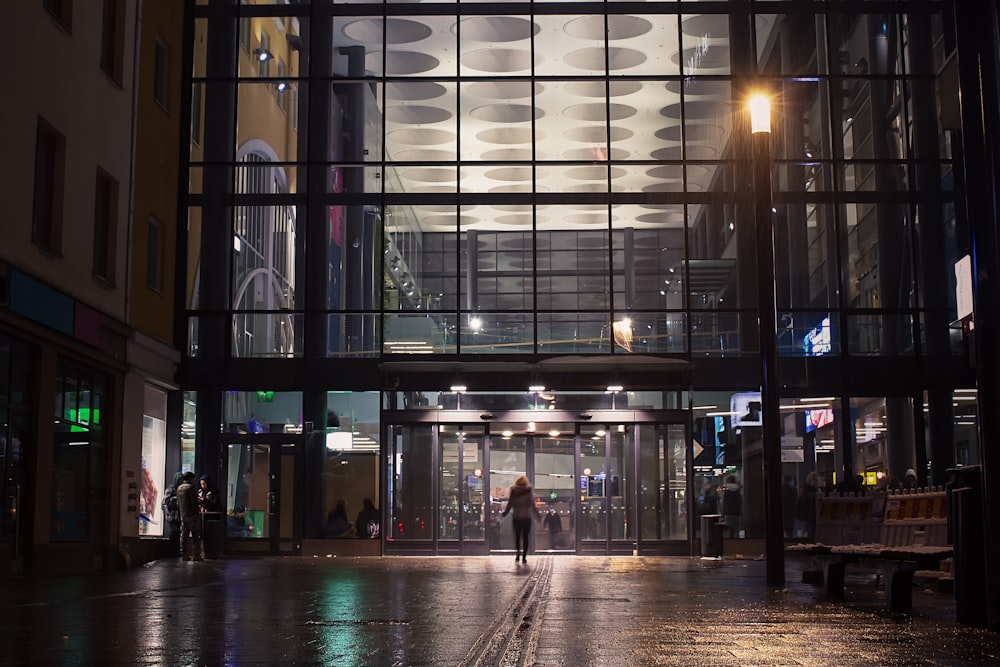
[965, 531]
[711, 535]
[213, 531]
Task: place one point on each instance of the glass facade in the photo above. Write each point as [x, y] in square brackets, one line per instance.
[394, 195]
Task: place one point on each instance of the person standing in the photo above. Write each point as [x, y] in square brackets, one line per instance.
[732, 506]
[805, 509]
[172, 514]
[522, 502]
[208, 499]
[187, 503]
[554, 524]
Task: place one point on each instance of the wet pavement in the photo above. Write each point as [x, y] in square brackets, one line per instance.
[473, 611]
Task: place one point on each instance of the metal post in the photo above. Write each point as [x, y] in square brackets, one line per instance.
[774, 548]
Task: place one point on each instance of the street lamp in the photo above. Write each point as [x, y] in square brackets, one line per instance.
[767, 319]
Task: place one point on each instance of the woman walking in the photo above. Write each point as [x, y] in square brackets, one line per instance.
[522, 502]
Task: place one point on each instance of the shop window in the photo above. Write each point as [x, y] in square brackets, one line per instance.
[152, 464]
[79, 461]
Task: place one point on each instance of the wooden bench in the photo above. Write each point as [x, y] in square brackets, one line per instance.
[898, 534]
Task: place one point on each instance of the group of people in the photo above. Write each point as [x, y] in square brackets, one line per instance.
[184, 502]
[366, 525]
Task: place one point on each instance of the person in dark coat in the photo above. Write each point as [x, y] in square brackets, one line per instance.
[172, 514]
[522, 502]
[337, 524]
[805, 509]
[367, 524]
[187, 503]
[208, 497]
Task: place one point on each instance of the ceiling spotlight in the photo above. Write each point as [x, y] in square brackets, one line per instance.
[282, 86]
[262, 54]
[615, 388]
[536, 388]
[458, 388]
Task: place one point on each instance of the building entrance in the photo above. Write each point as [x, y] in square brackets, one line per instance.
[610, 487]
[259, 497]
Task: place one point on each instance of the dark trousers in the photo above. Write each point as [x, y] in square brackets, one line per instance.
[191, 536]
[521, 529]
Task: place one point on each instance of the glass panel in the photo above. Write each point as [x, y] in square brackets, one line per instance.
[574, 273]
[262, 411]
[409, 481]
[619, 483]
[263, 334]
[450, 483]
[573, 126]
[656, 522]
[711, 275]
[706, 44]
[508, 461]
[352, 335]
[588, 333]
[648, 246]
[556, 488]
[671, 448]
[574, 45]
[247, 487]
[795, 37]
[496, 121]
[492, 333]
[406, 56]
[420, 334]
[153, 479]
[808, 334]
[593, 483]
[473, 487]
[497, 272]
[70, 463]
[880, 334]
[496, 45]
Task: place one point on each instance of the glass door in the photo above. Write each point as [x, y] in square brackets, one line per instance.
[508, 461]
[261, 503]
[554, 455]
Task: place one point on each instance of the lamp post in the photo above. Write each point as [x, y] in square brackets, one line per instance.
[767, 320]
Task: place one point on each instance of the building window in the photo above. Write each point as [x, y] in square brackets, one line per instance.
[244, 32]
[62, 11]
[105, 215]
[196, 114]
[282, 86]
[264, 66]
[154, 255]
[113, 38]
[50, 159]
[161, 73]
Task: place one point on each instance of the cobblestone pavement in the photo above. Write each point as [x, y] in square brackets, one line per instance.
[473, 612]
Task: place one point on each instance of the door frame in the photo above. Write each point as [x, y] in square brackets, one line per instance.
[281, 539]
[435, 419]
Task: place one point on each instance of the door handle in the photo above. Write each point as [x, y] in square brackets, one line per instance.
[272, 503]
